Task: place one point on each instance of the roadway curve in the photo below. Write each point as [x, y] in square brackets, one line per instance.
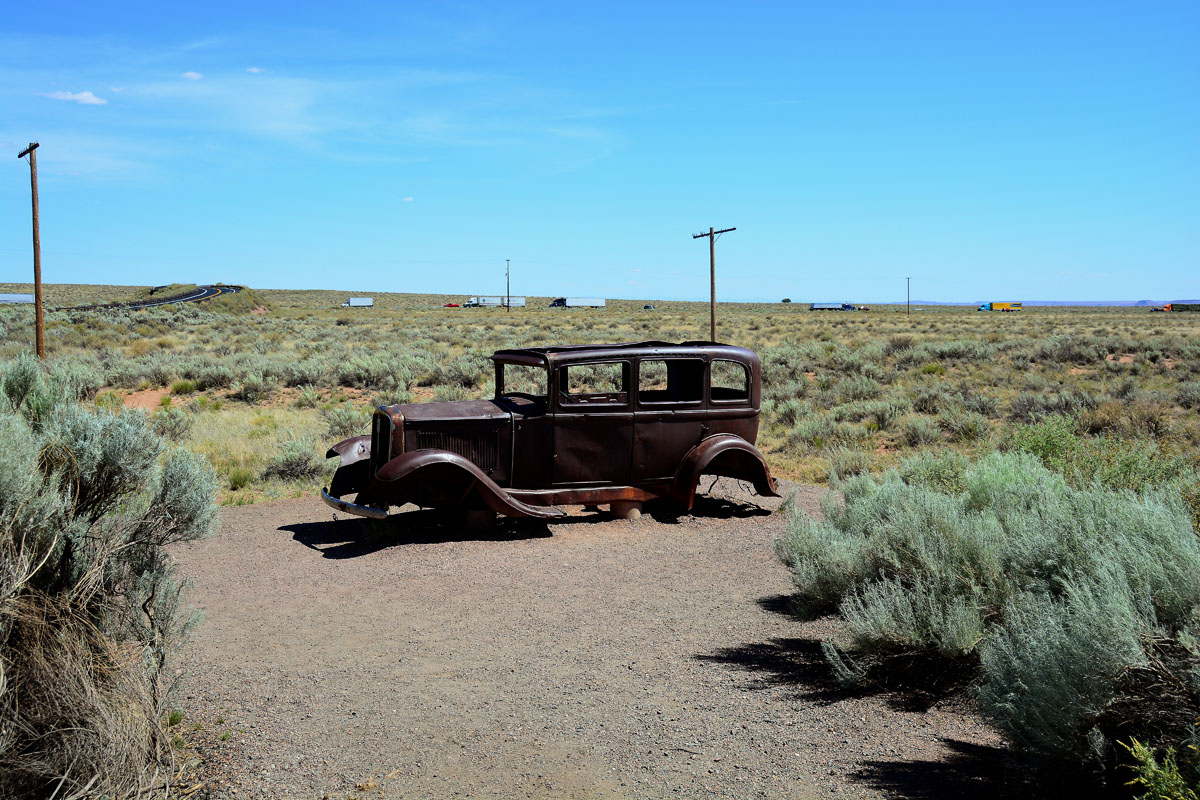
[201, 293]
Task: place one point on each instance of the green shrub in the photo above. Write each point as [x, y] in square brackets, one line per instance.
[791, 411]
[941, 472]
[1188, 394]
[450, 393]
[1063, 598]
[919, 431]
[296, 459]
[858, 387]
[345, 420]
[171, 423]
[184, 386]
[930, 400]
[884, 413]
[844, 462]
[308, 397]
[964, 426]
[464, 371]
[813, 430]
[1071, 349]
[983, 404]
[1162, 781]
[254, 389]
[239, 477]
[1029, 406]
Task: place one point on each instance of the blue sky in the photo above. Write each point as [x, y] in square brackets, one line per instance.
[990, 150]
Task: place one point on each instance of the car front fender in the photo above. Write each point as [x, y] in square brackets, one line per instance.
[722, 454]
[441, 479]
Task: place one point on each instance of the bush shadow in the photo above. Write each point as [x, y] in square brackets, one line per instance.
[356, 537]
[907, 682]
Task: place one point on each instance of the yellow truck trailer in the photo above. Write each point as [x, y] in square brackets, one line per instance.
[1000, 307]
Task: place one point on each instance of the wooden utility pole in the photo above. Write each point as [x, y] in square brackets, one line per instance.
[507, 289]
[712, 278]
[31, 151]
[908, 295]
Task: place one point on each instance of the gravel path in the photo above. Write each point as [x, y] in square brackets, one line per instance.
[592, 658]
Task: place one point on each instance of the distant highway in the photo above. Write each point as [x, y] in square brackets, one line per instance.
[201, 293]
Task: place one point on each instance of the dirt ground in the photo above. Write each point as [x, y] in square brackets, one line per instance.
[588, 658]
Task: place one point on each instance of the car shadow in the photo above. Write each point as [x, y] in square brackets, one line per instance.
[355, 537]
[351, 537]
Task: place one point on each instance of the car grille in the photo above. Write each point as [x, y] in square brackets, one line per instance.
[381, 441]
[482, 451]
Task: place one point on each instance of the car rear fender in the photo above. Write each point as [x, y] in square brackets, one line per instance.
[722, 454]
[442, 479]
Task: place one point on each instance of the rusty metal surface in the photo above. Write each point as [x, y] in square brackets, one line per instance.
[592, 495]
[726, 455]
[440, 479]
[625, 441]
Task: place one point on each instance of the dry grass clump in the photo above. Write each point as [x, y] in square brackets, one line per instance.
[90, 607]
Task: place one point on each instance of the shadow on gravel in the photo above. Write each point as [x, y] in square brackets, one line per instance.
[909, 682]
[786, 662]
[705, 507]
[971, 770]
[352, 538]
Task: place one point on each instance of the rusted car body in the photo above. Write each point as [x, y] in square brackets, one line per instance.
[597, 424]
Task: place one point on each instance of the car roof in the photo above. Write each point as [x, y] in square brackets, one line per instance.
[587, 352]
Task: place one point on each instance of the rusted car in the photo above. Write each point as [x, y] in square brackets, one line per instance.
[616, 424]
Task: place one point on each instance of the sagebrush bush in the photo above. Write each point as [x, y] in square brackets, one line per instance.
[345, 420]
[295, 459]
[90, 606]
[844, 462]
[171, 423]
[254, 389]
[1188, 394]
[919, 431]
[1056, 592]
[464, 371]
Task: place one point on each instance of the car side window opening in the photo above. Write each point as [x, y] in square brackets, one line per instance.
[729, 381]
[523, 380]
[606, 382]
[671, 380]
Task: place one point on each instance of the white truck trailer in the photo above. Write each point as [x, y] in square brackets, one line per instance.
[494, 301]
[359, 302]
[579, 302]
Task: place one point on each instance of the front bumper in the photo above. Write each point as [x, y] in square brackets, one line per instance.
[352, 508]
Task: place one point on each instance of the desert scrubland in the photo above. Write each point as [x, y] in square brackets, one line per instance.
[1016, 493]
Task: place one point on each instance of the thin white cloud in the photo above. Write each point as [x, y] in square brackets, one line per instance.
[408, 199]
[83, 98]
[192, 76]
[255, 70]
[117, 89]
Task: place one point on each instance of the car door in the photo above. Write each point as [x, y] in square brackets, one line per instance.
[593, 423]
[671, 415]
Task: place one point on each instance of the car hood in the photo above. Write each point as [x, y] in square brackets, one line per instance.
[457, 411]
